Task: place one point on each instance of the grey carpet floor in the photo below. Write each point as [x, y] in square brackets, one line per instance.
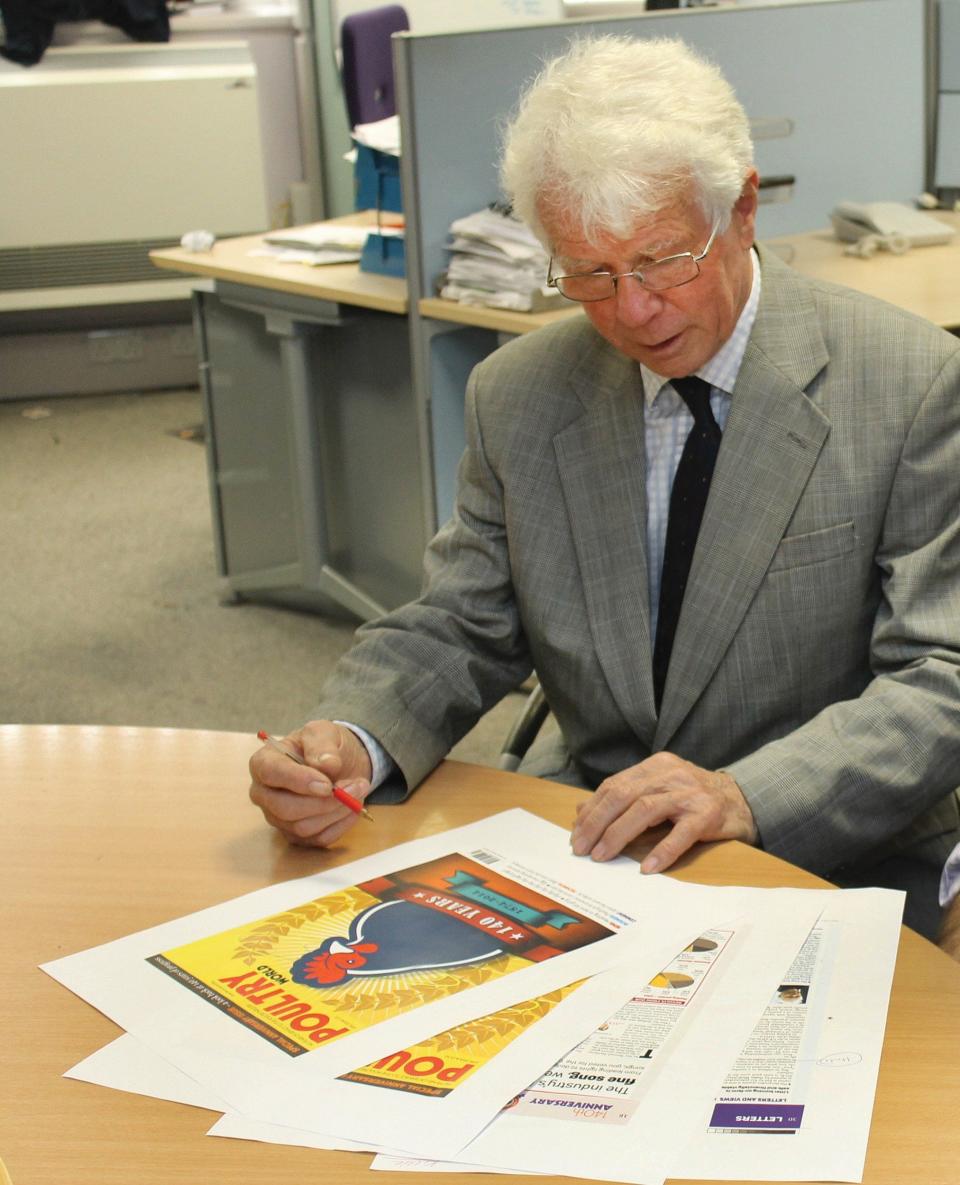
[111, 606]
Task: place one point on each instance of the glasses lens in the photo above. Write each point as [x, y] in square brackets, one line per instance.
[664, 273]
[590, 286]
[670, 273]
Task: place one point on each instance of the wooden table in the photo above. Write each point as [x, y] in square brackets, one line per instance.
[107, 831]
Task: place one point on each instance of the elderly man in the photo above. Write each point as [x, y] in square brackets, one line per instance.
[718, 515]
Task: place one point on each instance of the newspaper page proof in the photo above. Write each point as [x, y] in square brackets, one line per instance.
[796, 1103]
[606, 1110]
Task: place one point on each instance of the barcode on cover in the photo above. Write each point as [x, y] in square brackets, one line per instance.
[485, 857]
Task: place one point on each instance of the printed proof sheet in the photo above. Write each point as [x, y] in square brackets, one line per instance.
[366, 962]
[794, 1101]
[618, 1105]
[807, 1073]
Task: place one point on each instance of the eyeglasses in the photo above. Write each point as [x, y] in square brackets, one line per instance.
[671, 272]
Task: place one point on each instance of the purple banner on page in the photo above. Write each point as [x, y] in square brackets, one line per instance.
[761, 1117]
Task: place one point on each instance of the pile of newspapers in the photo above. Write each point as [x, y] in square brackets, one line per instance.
[495, 261]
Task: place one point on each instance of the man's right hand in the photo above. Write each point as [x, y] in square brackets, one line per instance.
[298, 799]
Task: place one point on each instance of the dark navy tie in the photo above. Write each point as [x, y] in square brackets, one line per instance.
[691, 485]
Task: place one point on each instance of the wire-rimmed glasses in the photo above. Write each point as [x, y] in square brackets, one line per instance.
[670, 272]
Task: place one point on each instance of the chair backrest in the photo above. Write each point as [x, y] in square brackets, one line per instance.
[368, 62]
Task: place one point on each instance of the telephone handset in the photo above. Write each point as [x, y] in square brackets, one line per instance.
[890, 225]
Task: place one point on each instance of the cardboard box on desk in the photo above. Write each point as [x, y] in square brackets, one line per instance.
[384, 253]
[377, 176]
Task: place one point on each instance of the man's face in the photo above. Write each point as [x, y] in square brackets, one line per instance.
[674, 331]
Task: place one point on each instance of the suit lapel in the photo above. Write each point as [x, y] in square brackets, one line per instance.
[601, 462]
[771, 442]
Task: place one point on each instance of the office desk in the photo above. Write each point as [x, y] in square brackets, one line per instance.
[340, 283]
[330, 466]
[924, 280]
[313, 441]
[111, 830]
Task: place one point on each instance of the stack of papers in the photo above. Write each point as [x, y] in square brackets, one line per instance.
[321, 243]
[321, 236]
[495, 261]
[483, 998]
[317, 243]
[383, 135]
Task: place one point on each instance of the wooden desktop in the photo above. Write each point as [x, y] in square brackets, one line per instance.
[924, 280]
[232, 260]
[110, 830]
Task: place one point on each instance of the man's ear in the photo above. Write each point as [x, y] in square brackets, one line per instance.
[745, 209]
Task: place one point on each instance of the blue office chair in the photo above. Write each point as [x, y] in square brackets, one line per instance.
[368, 62]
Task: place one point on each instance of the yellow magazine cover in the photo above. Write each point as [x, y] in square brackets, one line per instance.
[438, 1065]
[346, 961]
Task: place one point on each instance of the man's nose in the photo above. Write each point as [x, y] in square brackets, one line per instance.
[635, 304]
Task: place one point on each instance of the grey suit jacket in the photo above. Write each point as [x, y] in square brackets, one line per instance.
[817, 657]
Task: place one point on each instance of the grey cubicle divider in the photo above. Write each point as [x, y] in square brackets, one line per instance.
[845, 80]
[848, 75]
[947, 168]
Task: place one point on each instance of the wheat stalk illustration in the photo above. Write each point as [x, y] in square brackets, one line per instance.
[262, 939]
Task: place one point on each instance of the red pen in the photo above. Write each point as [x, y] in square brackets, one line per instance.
[339, 793]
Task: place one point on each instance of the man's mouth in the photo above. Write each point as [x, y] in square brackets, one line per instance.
[666, 343]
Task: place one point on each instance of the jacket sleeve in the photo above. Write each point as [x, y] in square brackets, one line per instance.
[420, 677]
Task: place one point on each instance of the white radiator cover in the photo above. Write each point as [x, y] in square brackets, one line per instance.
[112, 150]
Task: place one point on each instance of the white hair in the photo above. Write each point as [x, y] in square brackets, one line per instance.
[616, 129]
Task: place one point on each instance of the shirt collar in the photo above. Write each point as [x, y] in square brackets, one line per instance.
[722, 369]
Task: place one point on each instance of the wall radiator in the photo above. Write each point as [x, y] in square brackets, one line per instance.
[113, 150]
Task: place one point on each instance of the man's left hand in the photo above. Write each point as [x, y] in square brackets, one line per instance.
[700, 803]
